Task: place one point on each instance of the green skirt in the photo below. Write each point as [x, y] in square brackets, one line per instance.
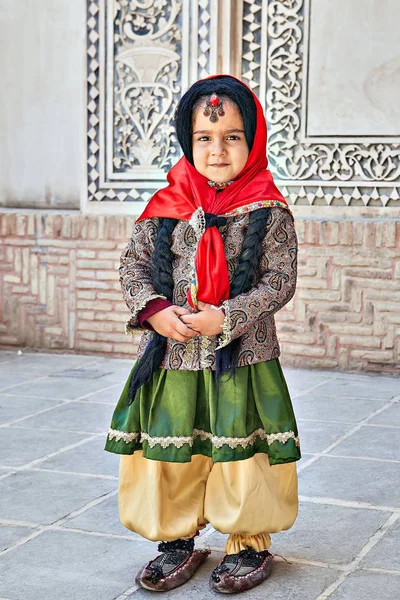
[181, 413]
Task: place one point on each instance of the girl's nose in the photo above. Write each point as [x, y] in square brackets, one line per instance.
[218, 148]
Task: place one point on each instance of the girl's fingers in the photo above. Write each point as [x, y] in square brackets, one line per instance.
[194, 321]
[182, 329]
[187, 319]
[180, 310]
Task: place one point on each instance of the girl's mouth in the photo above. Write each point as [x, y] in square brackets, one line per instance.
[219, 165]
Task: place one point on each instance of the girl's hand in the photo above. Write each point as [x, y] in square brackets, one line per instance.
[208, 321]
[167, 322]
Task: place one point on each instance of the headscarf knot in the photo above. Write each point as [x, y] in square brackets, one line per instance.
[214, 220]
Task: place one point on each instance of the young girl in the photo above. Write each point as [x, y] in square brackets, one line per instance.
[205, 422]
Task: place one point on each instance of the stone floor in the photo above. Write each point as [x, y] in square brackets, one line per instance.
[59, 530]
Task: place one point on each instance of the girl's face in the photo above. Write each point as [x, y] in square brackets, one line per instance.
[220, 149]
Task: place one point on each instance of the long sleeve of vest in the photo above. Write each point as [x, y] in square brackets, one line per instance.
[135, 270]
[276, 285]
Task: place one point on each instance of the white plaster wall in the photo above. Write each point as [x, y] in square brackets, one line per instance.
[354, 68]
[42, 100]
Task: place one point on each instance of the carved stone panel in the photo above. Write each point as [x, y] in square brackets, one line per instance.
[333, 139]
[326, 72]
[142, 54]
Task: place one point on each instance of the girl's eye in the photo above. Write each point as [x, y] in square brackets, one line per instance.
[206, 138]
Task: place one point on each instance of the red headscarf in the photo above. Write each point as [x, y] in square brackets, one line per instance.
[188, 195]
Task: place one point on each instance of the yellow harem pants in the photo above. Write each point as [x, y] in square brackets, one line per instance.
[248, 499]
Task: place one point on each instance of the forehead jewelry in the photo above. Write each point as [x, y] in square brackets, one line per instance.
[214, 108]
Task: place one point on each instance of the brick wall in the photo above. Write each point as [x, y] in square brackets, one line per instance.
[59, 290]
[59, 285]
[346, 312]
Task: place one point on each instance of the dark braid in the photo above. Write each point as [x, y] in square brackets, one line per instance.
[164, 285]
[243, 280]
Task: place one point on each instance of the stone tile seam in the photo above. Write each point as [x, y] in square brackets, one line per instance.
[348, 423]
[59, 356]
[40, 529]
[126, 595]
[79, 399]
[36, 397]
[5, 475]
[59, 522]
[380, 571]
[375, 538]
[352, 398]
[353, 566]
[336, 374]
[9, 387]
[17, 523]
[383, 460]
[348, 504]
[14, 421]
[131, 538]
[22, 542]
[85, 402]
[61, 472]
[39, 412]
[83, 509]
[61, 401]
[343, 437]
[110, 387]
[44, 378]
[38, 355]
[51, 455]
[309, 390]
[79, 431]
[35, 379]
[90, 475]
[382, 426]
